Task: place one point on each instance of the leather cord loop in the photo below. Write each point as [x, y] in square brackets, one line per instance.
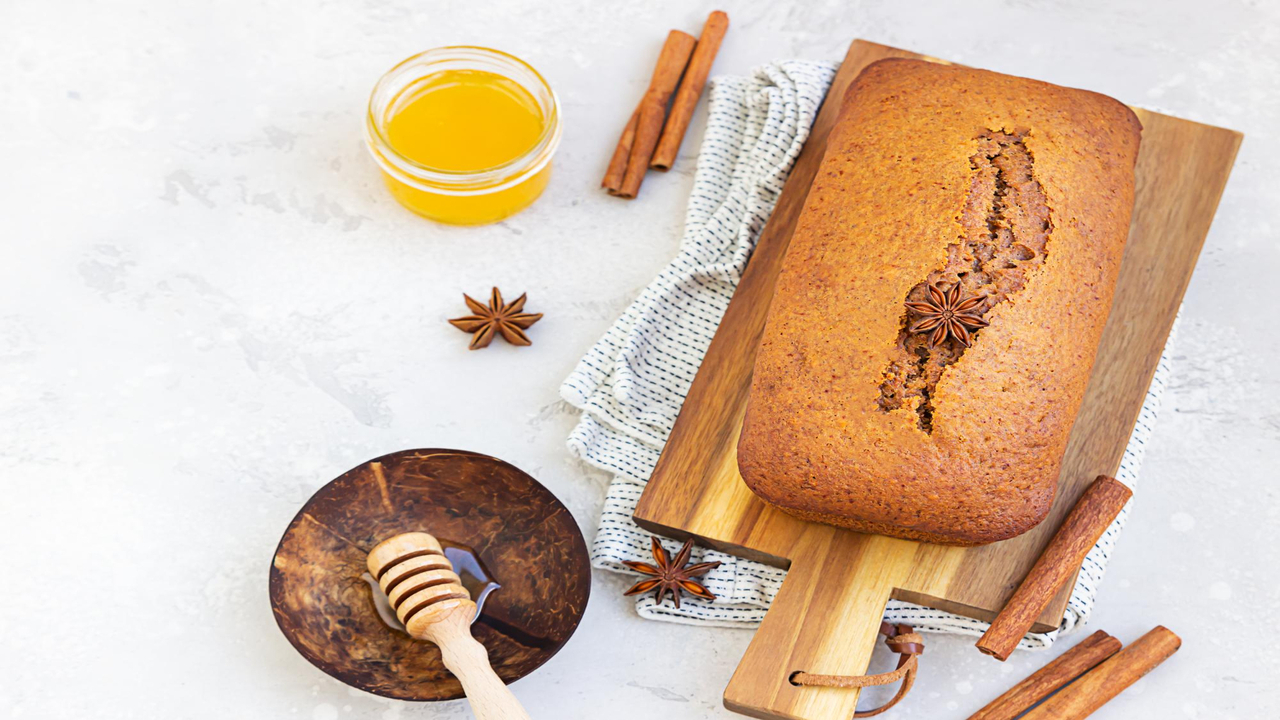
[900, 639]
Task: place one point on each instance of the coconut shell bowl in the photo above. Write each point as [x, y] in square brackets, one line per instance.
[477, 505]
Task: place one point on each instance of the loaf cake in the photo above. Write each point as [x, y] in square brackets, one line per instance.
[940, 304]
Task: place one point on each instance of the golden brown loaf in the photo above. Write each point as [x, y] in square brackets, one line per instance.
[873, 415]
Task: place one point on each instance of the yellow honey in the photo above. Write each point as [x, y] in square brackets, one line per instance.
[464, 135]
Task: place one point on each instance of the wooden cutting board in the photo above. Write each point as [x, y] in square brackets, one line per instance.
[826, 616]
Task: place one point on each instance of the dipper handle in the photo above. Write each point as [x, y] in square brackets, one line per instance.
[490, 698]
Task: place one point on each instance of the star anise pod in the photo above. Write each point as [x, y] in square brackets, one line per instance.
[671, 575]
[496, 318]
[946, 313]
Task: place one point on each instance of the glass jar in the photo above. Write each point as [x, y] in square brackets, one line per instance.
[470, 197]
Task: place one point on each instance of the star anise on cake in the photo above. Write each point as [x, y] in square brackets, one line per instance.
[496, 318]
[946, 313]
[671, 574]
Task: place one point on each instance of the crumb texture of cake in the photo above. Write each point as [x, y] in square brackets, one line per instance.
[994, 203]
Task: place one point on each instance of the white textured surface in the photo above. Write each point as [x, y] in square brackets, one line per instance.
[209, 307]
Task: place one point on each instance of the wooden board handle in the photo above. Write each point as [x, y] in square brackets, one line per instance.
[825, 620]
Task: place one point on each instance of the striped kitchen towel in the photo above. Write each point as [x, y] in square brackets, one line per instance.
[630, 385]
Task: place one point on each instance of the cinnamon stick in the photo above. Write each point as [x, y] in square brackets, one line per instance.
[653, 109]
[1091, 516]
[1082, 697]
[618, 163]
[695, 79]
[1066, 667]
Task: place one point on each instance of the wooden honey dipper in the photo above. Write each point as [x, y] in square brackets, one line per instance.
[430, 600]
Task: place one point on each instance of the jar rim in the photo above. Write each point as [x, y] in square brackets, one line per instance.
[455, 182]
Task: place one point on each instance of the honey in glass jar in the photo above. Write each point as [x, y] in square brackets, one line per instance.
[464, 135]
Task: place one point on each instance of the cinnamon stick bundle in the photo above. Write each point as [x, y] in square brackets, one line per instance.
[695, 79]
[1044, 682]
[1082, 697]
[1091, 516]
[635, 147]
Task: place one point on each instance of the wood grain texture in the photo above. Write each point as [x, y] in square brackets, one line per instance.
[523, 534]
[825, 616]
